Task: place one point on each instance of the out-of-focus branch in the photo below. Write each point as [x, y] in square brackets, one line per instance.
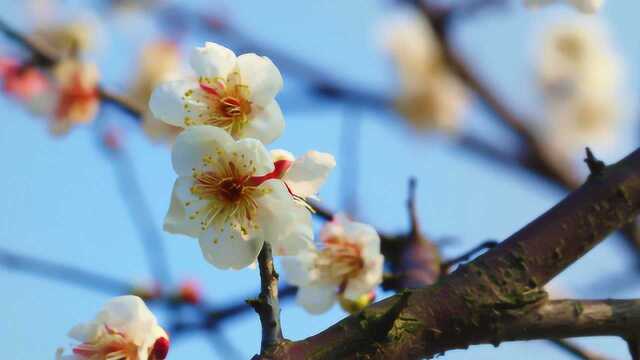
[62, 273]
[212, 315]
[266, 304]
[140, 213]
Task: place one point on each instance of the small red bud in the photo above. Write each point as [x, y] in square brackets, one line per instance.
[112, 138]
[160, 349]
[190, 292]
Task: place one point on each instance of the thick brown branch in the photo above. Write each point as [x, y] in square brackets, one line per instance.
[481, 298]
[267, 305]
[572, 318]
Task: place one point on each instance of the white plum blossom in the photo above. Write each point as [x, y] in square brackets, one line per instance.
[431, 96]
[236, 94]
[580, 80]
[348, 265]
[125, 329]
[228, 195]
[585, 6]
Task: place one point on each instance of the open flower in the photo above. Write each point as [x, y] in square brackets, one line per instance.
[236, 94]
[348, 265]
[431, 96]
[580, 80]
[585, 6]
[125, 329]
[73, 97]
[227, 197]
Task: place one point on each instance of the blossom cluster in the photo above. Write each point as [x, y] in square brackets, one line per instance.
[233, 195]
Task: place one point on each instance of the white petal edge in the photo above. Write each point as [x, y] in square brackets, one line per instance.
[196, 142]
[167, 101]
[299, 270]
[266, 125]
[176, 221]
[316, 299]
[262, 76]
[249, 154]
[286, 224]
[309, 172]
[212, 60]
[229, 253]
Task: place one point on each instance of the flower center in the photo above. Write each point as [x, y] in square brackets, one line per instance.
[226, 103]
[339, 260]
[230, 190]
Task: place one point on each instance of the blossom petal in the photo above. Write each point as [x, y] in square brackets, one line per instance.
[266, 125]
[250, 157]
[168, 100]
[286, 223]
[262, 77]
[127, 314]
[364, 235]
[196, 142]
[309, 172]
[176, 221]
[316, 299]
[299, 270]
[365, 281]
[213, 60]
[228, 248]
[281, 154]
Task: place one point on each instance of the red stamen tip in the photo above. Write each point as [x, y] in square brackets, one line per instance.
[210, 90]
[160, 349]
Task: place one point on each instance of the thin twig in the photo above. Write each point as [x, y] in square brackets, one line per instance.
[350, 133]
[140, 213]
[222, 345]
[266, 304]
[414, 232]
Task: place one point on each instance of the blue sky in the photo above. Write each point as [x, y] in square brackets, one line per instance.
[59, 197]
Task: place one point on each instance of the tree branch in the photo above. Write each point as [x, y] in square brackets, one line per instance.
[267, 305]
[477, 302]
[140, 212]
[63, 273]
